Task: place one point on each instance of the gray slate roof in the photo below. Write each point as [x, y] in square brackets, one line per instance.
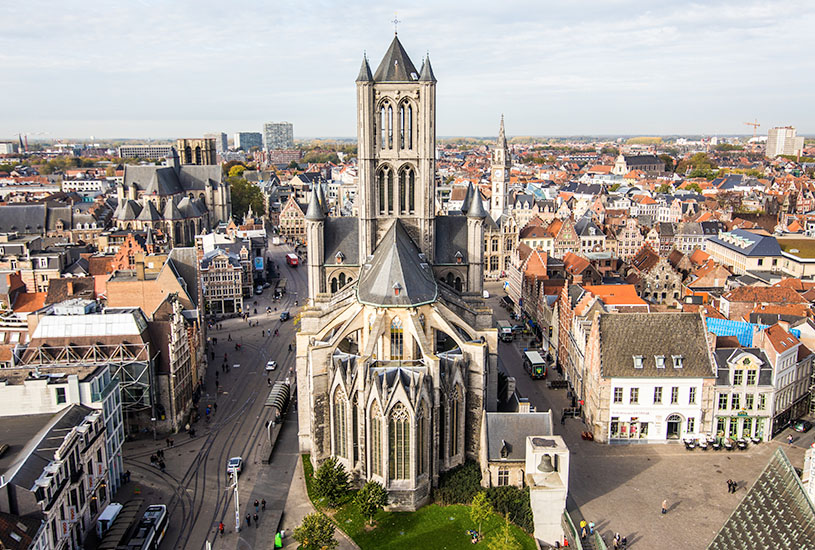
[396, 66]
[510, 430]
[775, 514]
[22, 218]
[759, 245]
[341, 235]
[626, 335]
[396, 264]
[723, 355]
[451, 237]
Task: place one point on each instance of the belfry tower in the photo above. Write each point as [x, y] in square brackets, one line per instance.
[396, 132]
[499, 175]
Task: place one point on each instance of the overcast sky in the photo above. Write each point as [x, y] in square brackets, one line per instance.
[183, 68]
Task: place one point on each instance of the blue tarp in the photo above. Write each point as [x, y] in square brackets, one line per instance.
[740, 329]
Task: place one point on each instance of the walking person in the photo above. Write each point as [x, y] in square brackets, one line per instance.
[790, 439]
[735, 486]
[665, 506]
[263, 504]
[257, 506]
[729, 485]
[221, 528]
[257, 523]
[248, 520]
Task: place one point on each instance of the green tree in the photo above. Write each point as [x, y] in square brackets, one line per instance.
[664, 188]
[316, 533]
[669, 162]
[693, 186]
[503, 539]
[331, 481]
[237, 171]
[609, 150]
[244, 195]
[480, 509]
[370, 499]
[293, 165]
[614, 187]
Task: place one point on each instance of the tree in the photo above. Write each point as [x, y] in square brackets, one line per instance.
[316, 533]
[229, 165]
[609, 150]
[237, 171]
[293, 165]
[370, 499]
[244, 195]
[693, 186]
[480, 509]
[669, 162]
[665, 188]
[331, 481]
[503, 539]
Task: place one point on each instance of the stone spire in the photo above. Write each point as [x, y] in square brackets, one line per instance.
[427, 71]
[502, 138]
[365, 71]
[476, 209]
[315, 211]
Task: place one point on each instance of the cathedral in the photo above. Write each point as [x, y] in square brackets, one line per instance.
[396, 353]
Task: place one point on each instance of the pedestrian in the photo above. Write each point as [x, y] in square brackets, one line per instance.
[216, 375]
[624, 542]
[263, 504]
[212, 355]
[215, 407]
[248, 520]
[735, 486]
[127, 475]
[616, 543]
[221, 528]
[161, 465]
[255, 517]
[269, 381]
[729, 485]
[172, 442]
[257, 506]
[168, 441]
[583, 533]
[789, 439]
[665, 506]
[591, 527]
[229, 337]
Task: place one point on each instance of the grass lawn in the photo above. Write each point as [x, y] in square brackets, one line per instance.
[433, 526]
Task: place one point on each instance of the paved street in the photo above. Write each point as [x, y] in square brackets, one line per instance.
[621, 487]
[195, 485]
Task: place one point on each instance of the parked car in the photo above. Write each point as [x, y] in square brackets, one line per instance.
[271, 365]
[235, 464]
[801, 425]
[267, 284]
[259, 289]
[285, 316]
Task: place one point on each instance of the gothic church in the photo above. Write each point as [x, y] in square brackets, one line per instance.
[396, 354]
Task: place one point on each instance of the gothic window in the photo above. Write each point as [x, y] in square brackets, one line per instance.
[334, 286]
[385, 184]
[441, 430]
[411, 176]
[187, 155]
[402, 191]
[390, 127]
[382, 125]
[495, 245]
[340, 424]
[397, 334]
[449, 279]
[455, 420]
[493, 263]
[402, 126]
[457, 284]
[399, 443]
[422, 444]
[197, 155]
[342, 280]
[381, 195]
[376, 440]
[410, 128]
[389, 185]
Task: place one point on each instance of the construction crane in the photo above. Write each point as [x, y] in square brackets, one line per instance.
[755, 126]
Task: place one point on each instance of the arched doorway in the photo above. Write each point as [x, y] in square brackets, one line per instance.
[674, 427]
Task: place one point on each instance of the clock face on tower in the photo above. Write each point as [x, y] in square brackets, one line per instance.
[499, 173]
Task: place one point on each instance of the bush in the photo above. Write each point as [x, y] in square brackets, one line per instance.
[513, 502]
[331, 481]
[459, 485]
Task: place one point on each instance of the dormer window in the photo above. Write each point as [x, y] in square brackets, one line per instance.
[660, 361]
[396, 289]
[459, 257]
[339, 257]
[637, 361]
[677, 361]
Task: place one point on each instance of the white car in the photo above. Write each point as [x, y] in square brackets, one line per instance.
[271, 365]
[235, 464]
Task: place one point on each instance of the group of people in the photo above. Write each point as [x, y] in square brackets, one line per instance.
[732, 486]
[157, 459]
[474, 537]
[619, 542]
[249, 517]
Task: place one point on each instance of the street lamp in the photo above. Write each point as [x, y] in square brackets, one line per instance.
[234, 487]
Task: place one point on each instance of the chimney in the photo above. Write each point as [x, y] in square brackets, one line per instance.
[140, 271]
[70, 288]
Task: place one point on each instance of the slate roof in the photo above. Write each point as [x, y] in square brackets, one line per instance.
[775, 514]
[754, 243]
[451, 237]
[129, 210]
[632, 161]
[365, 71]
[396, 265]
[626, 335]
[215, 252]
[182, 260]
[427, 72]
[18, 532]
[341, 235]
[149, 213]
[724, 355]
[396, 66]
[509, 430]
[23, 218]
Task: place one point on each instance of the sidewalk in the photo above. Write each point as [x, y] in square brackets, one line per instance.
[299, 506]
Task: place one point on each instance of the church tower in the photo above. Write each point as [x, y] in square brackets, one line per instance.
[396, 132]
[499, 175]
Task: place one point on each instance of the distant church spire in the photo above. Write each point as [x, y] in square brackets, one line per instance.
[502, 138]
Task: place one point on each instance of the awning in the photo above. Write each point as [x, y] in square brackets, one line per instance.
[278, 396]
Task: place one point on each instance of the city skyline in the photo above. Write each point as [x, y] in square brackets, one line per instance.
[583, 69]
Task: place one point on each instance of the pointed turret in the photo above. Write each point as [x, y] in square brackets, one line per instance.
[315, 211]
[321, 197]
[427, 71]
[476, 209]
[365, 71]
[396, 66]
[465, 205]
[502, 138]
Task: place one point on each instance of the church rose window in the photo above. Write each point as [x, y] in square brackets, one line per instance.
[399, 444]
